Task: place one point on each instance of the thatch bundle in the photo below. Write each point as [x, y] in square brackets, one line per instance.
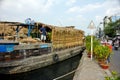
[9, 38]
[66, 37]
[7, 29]
[23, 31]
[28, 40]
[61, 37]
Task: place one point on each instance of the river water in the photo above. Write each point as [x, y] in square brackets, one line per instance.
[48, 73]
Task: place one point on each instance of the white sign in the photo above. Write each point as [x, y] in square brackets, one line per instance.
[91, 25]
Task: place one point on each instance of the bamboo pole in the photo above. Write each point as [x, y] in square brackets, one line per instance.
[52, 39]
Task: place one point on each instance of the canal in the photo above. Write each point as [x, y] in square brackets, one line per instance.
[52, 72]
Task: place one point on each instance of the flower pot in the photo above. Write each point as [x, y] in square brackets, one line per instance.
[89, 55]
[104, 66]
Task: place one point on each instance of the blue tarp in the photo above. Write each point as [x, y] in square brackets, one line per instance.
[6, 48]
[44, 46]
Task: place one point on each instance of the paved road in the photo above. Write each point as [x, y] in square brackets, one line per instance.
[115, 61]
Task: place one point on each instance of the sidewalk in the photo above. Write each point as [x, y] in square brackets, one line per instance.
[89, 70]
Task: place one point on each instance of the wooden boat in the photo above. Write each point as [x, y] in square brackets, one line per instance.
[21, 54]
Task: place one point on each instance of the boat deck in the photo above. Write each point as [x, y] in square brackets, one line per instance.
[4, 42]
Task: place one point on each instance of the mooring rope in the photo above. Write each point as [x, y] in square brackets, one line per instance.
[64, 75]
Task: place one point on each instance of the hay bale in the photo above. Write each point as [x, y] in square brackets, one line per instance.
[29, 40]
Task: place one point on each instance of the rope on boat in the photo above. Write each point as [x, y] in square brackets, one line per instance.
[64, 75]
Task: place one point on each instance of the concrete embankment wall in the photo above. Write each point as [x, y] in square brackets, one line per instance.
[89, 70]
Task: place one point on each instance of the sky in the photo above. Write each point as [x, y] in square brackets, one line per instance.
[78, 13]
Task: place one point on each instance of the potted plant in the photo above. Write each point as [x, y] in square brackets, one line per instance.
[88, 45]
[101, 54]
[88, 48]
[113, 77]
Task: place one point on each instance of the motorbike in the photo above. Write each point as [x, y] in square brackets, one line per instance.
[116, 44]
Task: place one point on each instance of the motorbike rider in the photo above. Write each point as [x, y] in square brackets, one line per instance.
[116, 44]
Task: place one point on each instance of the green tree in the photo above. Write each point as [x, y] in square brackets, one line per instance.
[110, 29]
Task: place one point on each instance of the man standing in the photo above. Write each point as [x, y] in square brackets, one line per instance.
[43, 33]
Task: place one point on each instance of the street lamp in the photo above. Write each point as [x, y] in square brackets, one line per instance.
[91, 27]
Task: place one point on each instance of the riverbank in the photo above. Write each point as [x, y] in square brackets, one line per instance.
[90, 70]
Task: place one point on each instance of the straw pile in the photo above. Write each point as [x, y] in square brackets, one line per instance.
[66, 37]
[28, 40]
[61, 37]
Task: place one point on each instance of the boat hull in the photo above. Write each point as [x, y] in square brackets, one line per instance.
[36, 62]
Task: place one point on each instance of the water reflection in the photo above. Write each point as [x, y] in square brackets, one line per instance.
[49, 72]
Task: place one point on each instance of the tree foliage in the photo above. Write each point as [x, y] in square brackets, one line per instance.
[110, 29]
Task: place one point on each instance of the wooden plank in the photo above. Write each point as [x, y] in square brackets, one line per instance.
[32, 46]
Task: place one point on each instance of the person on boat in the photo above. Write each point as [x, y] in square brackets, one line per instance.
[43, 33]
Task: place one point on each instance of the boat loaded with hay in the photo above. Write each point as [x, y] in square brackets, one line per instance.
[21, 49]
